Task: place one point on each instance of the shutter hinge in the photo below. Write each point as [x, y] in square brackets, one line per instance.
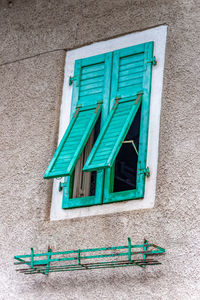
[72, 78]
[138, 97]
[152, 60]
[62, 185]
[77, 110]
[98, 106]
[116, 102]
[145, 171]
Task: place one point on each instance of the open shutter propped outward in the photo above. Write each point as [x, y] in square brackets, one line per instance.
[73, 142]
[113, 133]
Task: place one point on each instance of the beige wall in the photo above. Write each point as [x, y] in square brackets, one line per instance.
[33, 38]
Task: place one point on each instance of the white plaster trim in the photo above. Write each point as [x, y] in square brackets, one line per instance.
[158, 35]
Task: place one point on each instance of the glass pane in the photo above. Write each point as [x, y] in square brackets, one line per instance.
[125, 171]
[85, 182]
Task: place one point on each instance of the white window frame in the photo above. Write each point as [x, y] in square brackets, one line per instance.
[158, 35]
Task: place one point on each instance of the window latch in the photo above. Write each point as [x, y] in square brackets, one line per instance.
[152, 61]
[145, 171]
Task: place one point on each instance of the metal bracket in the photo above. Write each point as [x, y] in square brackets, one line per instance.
[61, 186]
[133, 144]
[152, 61]
[145, 171]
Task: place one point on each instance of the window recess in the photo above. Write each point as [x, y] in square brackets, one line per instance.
[115, 88]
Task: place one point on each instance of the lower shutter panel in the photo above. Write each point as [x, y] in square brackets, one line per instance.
[113, 133]
[73, 142]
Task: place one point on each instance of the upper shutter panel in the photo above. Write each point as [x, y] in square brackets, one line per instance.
[113, 133]
[92, 78]
[92, 82]
[73, 142]
[129, 66]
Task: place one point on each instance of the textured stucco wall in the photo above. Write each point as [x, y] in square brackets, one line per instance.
[33, 38]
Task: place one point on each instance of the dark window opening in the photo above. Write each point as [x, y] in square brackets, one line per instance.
[85, 182]
[125, 172]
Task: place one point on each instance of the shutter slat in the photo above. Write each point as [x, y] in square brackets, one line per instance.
[93, 68]
[92, 80]
[132, 65]
[91, 92]
[131, 58]
[95, 74]
[134, 76]
[130, 82]
[137, 71]
[129, 88]
[91, 86]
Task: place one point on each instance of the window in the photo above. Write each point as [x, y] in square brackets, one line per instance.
[115, 85]
[107, 89]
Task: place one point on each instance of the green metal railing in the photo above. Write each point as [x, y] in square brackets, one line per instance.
[86, 259]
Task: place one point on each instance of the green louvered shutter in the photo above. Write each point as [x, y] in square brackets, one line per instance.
[73, 142]
[91, 88]
[131, 75]
[113, 133]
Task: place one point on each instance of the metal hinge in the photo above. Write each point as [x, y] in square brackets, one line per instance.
[62, 185]
[138, 97]
[145, 171]
[152, 60]
[98, 106]
[72, 78]
[116, 102]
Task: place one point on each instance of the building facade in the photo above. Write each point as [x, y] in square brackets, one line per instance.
[40, 42]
